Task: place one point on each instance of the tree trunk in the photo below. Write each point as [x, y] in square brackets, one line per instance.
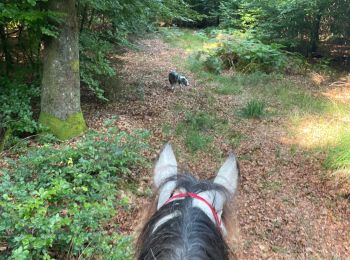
[315, 34]
[60, 97]
[5, 48]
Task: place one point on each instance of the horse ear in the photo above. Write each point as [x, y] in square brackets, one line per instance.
[166, 167]
[228, 175]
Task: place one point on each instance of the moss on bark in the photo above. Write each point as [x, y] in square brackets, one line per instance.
[75, 65]
[73, 126]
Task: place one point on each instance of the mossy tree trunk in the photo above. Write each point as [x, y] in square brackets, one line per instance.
[60, 97]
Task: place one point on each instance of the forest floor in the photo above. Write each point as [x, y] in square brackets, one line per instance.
[288, 206]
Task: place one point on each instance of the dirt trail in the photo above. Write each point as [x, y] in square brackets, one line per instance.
[286, 208]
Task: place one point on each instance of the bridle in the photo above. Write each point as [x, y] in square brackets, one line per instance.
[196, 196]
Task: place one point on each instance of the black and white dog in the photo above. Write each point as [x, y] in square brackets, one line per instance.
[175, 78]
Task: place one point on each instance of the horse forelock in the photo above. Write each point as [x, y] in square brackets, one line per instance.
[180, 231]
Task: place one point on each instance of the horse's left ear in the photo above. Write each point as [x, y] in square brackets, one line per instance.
[166, 167]
[228, 177]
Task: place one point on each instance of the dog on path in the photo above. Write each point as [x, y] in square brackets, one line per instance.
[175, 78]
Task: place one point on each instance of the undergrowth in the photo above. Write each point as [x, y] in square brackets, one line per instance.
[59, 201]
[339, 156]
[196, 129]
[253, 109]
[16, 111]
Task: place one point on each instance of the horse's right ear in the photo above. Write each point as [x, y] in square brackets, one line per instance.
[166, 167]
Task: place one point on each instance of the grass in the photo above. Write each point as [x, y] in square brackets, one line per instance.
[197, 128]
[197, 121]
[228, 89]
[253, 109]
[167, 129]
[339, 156]
[202, 121]
[195, 140]
[189, 40]
[292, 98]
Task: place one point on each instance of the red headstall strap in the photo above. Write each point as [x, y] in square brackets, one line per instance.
[196, 196]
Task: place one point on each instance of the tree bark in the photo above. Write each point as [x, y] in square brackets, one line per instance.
[60, 97]
[8, 59]
[315, 34]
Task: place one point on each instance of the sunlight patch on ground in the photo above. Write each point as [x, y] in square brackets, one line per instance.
[341, 94]
[319, 132]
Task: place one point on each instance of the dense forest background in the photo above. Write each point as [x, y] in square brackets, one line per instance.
[50, 51]
[313, 29]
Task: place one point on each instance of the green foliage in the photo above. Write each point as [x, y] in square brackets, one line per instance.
[248, 55]
[58, 202]
[15, 106]
[298, 25]
[94, 62]
[253, 109]
[22, 25]
[213, 64]
[207, 13]
[219, 50]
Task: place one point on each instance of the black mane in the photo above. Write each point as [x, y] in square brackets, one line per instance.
[189, 234]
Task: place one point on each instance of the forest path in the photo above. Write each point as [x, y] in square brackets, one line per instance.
[286, 207]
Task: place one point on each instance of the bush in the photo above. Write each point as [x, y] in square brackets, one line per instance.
[16, 108]
[94, 62]
[250, 55]
[58, 202]
[253, 109]
[226, 49]
[213, 64]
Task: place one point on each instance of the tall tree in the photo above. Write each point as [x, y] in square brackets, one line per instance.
[60, 97]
